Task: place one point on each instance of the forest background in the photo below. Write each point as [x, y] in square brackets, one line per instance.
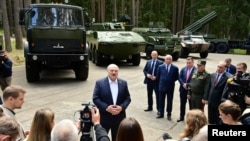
[232, 21]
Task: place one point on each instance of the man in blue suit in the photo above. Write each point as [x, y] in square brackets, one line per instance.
[150, 71]
[167, 74]
[184, 80]
[112, 97]
[230, 68]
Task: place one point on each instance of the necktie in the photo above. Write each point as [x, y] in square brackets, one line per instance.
[167, 69]
[153, 67]
[217, 79]
[188, 74]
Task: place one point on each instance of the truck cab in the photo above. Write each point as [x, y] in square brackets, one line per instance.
[56, 38]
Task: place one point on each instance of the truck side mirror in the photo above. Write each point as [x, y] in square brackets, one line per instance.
[21, 17]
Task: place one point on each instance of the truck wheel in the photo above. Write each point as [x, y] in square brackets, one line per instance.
[204, 54]
[212, 48]
[136, 59]
[81, 71]
[175, 56]
[98, 58]
[184, 53]
[222, 48]
[148, 51]
[90, 54]
[32, 71]
[93, 56]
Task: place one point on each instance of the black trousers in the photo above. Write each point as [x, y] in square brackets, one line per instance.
[183, 101]
[153, 87]
[162, 96]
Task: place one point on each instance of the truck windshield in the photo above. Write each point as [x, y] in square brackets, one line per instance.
[58, 17]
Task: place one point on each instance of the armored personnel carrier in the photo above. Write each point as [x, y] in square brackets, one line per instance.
[194, 44]
[160, 39]
[56, 38]
[110, 41]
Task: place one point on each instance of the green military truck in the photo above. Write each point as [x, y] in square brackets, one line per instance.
[160, 39]
[56, 38]
[109, 41]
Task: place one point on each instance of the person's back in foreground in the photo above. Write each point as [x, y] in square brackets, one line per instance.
[129, 130]
[65, 130]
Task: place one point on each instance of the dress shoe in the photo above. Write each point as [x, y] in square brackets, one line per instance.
[160, 116]
[180, 119]
[147, 110]
[169, 118]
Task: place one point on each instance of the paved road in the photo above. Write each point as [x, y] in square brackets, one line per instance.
[59, 91]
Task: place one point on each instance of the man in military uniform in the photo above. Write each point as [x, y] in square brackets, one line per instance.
[198, 85]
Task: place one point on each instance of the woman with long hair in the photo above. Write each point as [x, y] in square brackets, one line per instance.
[129, 130]
[42, 124]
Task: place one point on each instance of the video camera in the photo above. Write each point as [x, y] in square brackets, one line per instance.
[86, 121]
[2, 55]
[238, 88]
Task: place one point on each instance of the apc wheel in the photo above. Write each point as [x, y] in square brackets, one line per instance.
[175, 56]
[98, 58]
[148, 51]
[212, 48]
[204, 54]
[136, 59]
[32, 71]
[222, 48]
[81, 71]
[184, 53]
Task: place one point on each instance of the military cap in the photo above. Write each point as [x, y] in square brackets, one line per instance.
[201, 62]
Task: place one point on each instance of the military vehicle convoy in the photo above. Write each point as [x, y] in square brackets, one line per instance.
[224, 45]
[56, 38]
[109, 41]
[160, 39]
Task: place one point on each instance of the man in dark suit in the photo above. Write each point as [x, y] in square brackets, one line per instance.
[167, 74]
[213, 94]
[112, 97]
[230, 68]
[150, 71]
[184, 79]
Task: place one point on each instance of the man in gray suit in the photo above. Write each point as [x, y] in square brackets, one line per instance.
[112, 97]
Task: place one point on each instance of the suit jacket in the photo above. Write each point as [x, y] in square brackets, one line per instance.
[232, 69]
[147, 69]
[183, 75]
[167, 79]
[9, 113]
[214, 92]
[102, 98]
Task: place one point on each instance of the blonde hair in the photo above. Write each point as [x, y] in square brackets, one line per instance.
[195, 120]
[42, 125]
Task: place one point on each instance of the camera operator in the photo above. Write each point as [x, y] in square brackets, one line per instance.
[100, 133]
[238, 86]
[245, 117]
[5, 70]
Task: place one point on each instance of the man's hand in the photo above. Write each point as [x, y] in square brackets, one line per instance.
[95, 115]
[114, 109]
